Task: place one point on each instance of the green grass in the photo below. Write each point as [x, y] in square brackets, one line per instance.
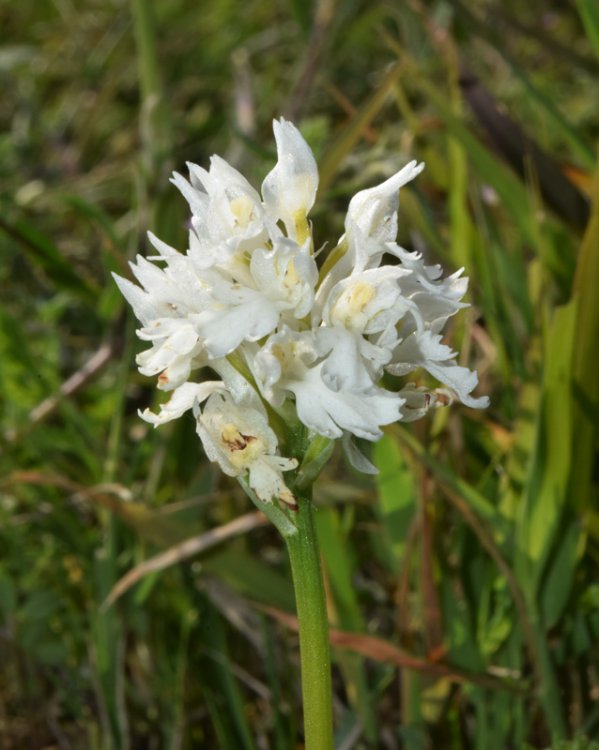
[463, 581]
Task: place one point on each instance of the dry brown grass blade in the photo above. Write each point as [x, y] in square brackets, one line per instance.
[380, 650]
[184, 550]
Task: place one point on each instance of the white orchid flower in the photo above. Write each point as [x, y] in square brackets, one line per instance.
[370, 224]
[190, 395]
[374, 211]
[290, 363]
[425, 350]
[241, 441]
[418, 400]
[366, 302]
[437, 298]
[279, 287]
[246, 300]
[164, 305]
[183, 399]
[226, 211]
[288, 274]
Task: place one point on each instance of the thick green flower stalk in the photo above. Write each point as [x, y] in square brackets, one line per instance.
[296, 351]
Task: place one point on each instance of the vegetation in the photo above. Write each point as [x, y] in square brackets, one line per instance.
[462, 582]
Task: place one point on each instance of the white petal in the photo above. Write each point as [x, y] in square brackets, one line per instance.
[182, 400]
[175, 374]
[352, 362]
[152, 278]
[143, 306]
[355, 456]
[166, 251]
[198, 201]
[162, 354]
[223, 174]
[289, 189]
[459, 379]
[266, 480]
[330, 413]
[285, 356]
[287, 274]
[224, 329]
[375, 210]
[180, 336]
[427, 351]
[198, 177]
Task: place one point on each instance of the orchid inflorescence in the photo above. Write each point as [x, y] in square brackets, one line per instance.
[248, 301]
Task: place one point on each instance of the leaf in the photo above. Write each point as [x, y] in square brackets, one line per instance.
[489, 30]
[589, 13]
[396, 496]
[251, 577]
[221, 685]
[478, 502]
[340, 571]
[556, 590]
[545, 494]
[585, 366]
[514, 196]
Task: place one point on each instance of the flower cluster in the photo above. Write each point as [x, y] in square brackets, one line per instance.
[248, 297]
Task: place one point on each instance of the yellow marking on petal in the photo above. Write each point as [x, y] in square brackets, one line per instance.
[360, 295]
[302, 227]
[242, 209]
[242, 449]
[291, 277]
[349, 308]
[284, 353]
[231, 436]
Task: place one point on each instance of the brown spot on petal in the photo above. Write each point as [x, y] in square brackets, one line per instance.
[288, 499]
[235, 440]
[442, 398]
[163, 378]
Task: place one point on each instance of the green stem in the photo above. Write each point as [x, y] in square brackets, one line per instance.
[313, 629]
[299, 532]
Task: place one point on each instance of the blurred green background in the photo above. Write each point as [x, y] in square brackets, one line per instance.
[462, 581]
